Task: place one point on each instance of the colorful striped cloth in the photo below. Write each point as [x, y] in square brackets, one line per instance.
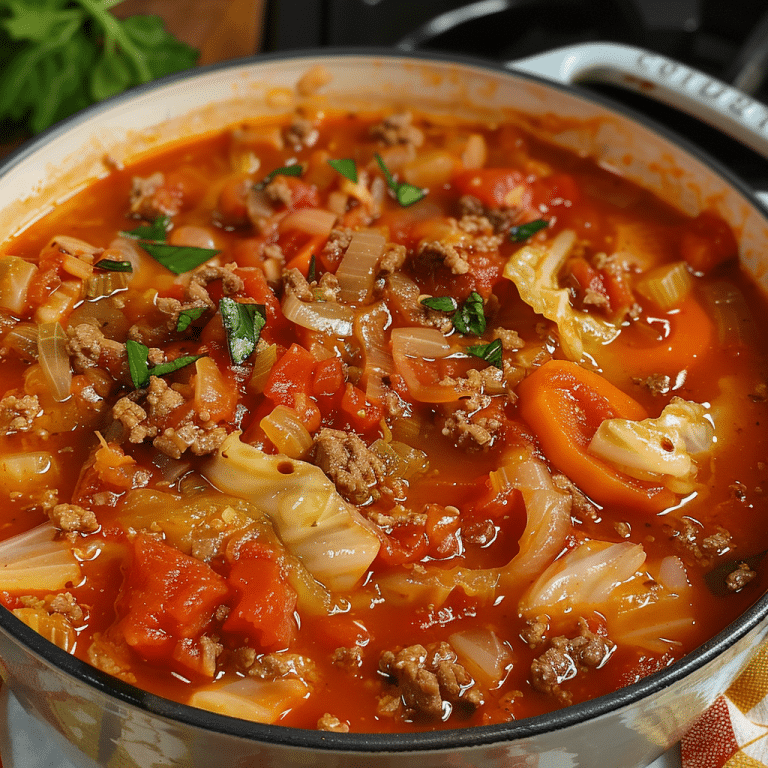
[733, 732]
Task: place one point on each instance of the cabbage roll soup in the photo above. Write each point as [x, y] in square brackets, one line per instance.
[378, 422]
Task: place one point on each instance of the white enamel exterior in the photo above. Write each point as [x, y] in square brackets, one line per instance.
[131, 730]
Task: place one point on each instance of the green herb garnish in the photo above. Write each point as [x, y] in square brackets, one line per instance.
[286, 170]
[440, 303]
[155, 231]
[524, 231]
[312, 269]
[109, 265]
[243, 324]
[491, 353]
[59, 56]
[470, 317]
[346, 167]
[188, 316]
[140, 370]
[178, 258]
[406, 194]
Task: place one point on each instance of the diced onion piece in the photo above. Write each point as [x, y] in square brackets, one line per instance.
[313, 221]
[401, 460]
[25, 471]
[287, 432]
[15, 277]
[583, 578]
[60, 302]
[105, 284]
[666, 286]
[730, 312]
[314, 522]
[22, 339]
[192, 236]
[325, 316]
[71, 245]
[431, 168]
[76, 267]
[475, 152]
[426, 343]
[673, 576]
[262, 701]
[483, 654]
[370, 326]
[37, 560]
[54, 359]
[357, 269]
[262, 365]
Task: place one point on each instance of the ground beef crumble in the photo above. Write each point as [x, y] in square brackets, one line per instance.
[427, 678]
[398, 129]
[18, 412]
[739, 578]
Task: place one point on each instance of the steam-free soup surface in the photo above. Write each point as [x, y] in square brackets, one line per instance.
[377, 422]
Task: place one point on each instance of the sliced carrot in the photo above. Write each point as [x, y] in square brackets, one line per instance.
[564, 404]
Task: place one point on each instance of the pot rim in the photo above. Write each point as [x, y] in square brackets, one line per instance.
[437, 740]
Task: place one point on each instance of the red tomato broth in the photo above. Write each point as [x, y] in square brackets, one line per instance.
[570, 193]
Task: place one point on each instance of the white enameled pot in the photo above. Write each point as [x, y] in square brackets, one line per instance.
[107, 724]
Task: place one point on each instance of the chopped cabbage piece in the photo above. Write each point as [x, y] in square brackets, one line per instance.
[653, 448]
[313, 521]
[534, 270]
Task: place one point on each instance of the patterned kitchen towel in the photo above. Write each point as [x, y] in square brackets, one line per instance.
[733, 732]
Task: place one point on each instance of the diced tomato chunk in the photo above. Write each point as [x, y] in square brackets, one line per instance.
[290, 375]
[489, 185]
[361, 414]
[263, 613]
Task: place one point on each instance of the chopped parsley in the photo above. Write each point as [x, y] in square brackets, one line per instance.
[156, 231]
[406, 194]
[243, 324]
[441, 303]
[346, 167]
[110, 265]
[286, 170]
[491, 353]
[523, 231]
[140, 370]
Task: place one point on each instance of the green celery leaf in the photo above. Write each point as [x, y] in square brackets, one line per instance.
[110, 265]
[137, 363]
[188, 316]
[155, 231]
[440, 303]
[470, 318]
[286, 170]
[491, 353]
[178, 258]
[346, 167]
[523, 231]
[243, 324]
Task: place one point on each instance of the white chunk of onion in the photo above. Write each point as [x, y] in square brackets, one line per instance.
[15, 277]
[357, 270]
[313, 521]
[325, 316]
[583, 578]
[427, 343]
[313, 221]
[54, 359]
[482, 654]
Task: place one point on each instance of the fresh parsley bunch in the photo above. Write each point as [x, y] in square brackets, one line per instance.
[58, 56]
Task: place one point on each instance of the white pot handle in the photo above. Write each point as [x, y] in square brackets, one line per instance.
[660, 78]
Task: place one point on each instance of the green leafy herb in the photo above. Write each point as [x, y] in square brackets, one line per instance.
[406, 194]
[58, 56]
[524, 231]
[187, 317]
[140, 370]
[114, 266]
[470, 317]
[155, 231]
[243, 324]
[440, 303]
[346, 167]
[286, 170]
[491, 353]
[178, 258]
[312, 269]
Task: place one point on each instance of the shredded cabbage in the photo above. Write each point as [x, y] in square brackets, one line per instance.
[534, 270]
[311, 518]
[653, 448]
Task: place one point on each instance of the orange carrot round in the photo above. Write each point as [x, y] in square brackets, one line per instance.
[564, 404]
